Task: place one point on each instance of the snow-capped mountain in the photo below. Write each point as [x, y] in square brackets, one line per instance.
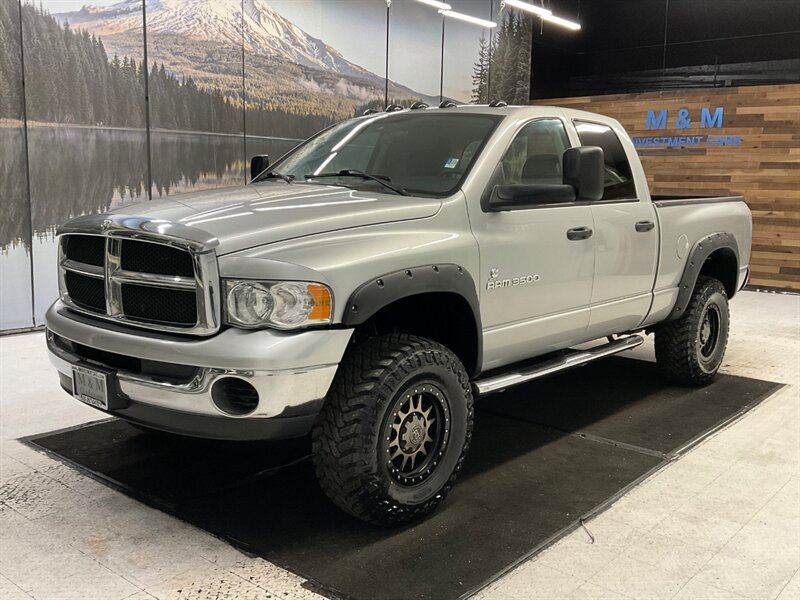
[262, 29]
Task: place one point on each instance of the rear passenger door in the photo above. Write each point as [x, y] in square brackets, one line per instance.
[626, 240]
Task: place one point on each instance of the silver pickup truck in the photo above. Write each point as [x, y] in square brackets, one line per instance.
[371, 283]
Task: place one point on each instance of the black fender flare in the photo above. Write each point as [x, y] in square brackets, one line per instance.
[704, 248]
[379, 292]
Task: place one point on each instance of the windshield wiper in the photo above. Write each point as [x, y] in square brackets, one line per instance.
[381, 179]
[276, 175]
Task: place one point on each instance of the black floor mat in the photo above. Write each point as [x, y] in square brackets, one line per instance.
[543, 456]
[627, 401]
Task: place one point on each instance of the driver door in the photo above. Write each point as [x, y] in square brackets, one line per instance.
[535, 282]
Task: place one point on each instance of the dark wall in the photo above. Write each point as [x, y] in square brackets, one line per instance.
[644, 45]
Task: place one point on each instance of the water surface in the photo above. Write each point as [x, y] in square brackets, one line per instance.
[82, 170]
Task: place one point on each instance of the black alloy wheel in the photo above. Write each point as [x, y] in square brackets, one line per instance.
[416, 433]
[394, 430]
[690, 349]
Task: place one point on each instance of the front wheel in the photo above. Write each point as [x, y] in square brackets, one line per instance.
[690, 349]
[395, 429]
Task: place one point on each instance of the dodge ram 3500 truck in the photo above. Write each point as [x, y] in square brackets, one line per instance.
[367, 286]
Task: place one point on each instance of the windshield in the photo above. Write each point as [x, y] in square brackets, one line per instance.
[421, 153]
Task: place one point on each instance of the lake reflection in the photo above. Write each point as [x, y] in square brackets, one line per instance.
[76, 170]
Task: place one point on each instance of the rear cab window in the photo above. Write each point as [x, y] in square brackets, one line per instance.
[618, 181]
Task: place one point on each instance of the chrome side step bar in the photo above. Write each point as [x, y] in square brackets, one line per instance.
[575, 359]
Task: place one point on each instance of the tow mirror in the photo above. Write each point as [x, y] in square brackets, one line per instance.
[258, 164]
[584, 169]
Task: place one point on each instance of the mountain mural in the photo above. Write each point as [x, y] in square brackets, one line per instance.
[285, 67]
[263, 30]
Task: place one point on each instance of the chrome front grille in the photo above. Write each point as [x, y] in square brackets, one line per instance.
[86, 291]
[145, 257]
[138, 278]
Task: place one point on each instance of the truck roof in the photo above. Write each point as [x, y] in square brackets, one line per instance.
[520, 111]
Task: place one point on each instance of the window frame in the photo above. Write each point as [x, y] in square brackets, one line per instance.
[536, 120]
[458, 187]
[636, 195]
[487, 192]
[571, 129]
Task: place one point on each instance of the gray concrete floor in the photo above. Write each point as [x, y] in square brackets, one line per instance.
[722, 522]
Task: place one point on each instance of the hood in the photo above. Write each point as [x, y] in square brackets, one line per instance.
[264, 213]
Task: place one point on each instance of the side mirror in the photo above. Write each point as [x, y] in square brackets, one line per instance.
[584, 169]
[258, 164]
[529, 195]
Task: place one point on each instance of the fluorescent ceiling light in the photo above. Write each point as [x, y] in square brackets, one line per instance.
[537, 10]
[435, 4]
[468, 18]
[563, 22]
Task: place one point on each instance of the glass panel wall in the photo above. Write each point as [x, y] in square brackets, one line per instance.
[194, 54]
[225, 80]
[86, 120]
[15, 237]
[415, 51]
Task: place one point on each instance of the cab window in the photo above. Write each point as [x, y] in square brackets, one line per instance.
[535, 154]
[618, 182]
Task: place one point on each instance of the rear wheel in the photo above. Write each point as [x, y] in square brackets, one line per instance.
[395, 429]
[690, 349]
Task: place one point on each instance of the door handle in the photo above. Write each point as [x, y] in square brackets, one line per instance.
[579, 233]
[643, 226]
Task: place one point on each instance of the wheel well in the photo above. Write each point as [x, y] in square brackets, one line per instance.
[441, 316]
[723, 265]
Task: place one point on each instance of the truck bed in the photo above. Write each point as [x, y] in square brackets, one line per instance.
[683, 221]
[664, 200]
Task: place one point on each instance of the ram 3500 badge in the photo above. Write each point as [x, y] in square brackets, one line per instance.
[495, 283]
[339, 294]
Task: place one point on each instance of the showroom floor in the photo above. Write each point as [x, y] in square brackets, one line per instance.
[722, 522]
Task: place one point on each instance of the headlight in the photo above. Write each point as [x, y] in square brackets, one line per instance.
[279, 304]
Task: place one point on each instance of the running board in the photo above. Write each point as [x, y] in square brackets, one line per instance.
[576, 359]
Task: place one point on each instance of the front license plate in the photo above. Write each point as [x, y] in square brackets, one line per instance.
[90, 386]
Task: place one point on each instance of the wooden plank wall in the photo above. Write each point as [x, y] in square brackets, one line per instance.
[765, 169]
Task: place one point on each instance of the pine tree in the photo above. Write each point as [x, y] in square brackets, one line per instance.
[522, 75]
[509, 61]
[480, 73]
[499, 59]
[10, 74]
[5, 94]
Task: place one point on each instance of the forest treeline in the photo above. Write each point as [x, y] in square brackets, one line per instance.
[10, 72]
[502, 71]
[72, 80]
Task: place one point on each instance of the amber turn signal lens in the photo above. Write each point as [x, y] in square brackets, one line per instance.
[322, 302]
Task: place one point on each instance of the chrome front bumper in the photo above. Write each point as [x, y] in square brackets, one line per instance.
[291, 372]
